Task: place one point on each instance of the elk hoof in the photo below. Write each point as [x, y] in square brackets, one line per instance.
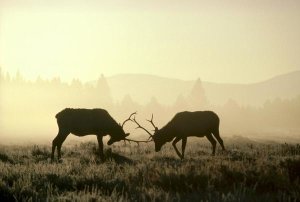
[102, 159]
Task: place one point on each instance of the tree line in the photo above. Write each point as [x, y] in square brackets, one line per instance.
[43, 98]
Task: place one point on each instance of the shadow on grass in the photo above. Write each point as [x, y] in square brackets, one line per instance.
[94, 157]
[119, 159]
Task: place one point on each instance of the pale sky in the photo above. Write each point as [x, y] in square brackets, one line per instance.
[234, 41]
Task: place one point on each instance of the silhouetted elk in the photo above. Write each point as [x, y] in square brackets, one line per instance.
[81, 122]
[183, 125]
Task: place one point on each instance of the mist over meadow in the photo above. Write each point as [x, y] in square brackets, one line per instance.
[266, 110]
[239, 59]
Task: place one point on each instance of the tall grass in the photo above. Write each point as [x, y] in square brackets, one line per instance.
[246, 172]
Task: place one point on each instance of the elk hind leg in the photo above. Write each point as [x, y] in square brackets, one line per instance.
[177, 139]
[213, 143]
[61, 137]
[217, 136]
[55, 144]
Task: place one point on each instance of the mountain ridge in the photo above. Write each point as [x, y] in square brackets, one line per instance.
[141, 87]
[296, 72]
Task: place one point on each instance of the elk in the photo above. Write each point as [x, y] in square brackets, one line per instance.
[81, 122]
[184, 125]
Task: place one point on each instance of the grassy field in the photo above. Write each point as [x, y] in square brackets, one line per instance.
[248, 171]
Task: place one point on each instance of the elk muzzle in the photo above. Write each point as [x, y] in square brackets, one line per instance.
[117, 139]
[157, 147]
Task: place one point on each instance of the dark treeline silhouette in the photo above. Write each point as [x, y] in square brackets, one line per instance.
[29, 107]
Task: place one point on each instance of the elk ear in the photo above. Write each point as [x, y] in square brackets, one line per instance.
[127, 134]
[156, 129]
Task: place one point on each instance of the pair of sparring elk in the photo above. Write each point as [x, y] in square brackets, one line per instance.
[81, 122]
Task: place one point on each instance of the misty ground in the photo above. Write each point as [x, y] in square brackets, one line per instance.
[250, 170]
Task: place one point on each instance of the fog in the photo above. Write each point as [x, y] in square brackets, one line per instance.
[28, 108]
[238, 58]
[231, 42]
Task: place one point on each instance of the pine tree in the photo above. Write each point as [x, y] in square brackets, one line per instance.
[103, 92]
[180, 104]
[197, 98]
[76, 83]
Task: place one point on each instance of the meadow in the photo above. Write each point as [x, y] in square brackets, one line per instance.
[247, 171]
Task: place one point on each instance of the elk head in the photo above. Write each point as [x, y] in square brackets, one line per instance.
[158, 137]
[119, 133]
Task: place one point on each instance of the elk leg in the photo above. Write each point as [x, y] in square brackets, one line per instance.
[183, 145]
[213, 143]
[177, 139]
[54, 145]
[217, 136]
[100, 143]
[60, 141]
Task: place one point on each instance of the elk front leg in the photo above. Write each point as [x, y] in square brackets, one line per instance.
[177, 139]
[54, 145]
[100, 143]
[183, 146]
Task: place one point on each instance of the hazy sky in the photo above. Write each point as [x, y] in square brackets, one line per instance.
[222, 41]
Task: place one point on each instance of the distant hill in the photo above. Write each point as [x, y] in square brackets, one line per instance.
[282, 86]
[142, 87]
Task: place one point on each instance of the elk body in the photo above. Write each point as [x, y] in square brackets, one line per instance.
[81, 122]
[184, 125]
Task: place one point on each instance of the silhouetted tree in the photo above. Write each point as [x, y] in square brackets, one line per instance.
[197, 98]
[39, 80]
[231, 105]
[76, 83]
[128, 104]
[103, 91]
[154, 107]
[125, 106]
[56, 81]
[7, 77]
[102, 85]
[19, 78]
[180, 104]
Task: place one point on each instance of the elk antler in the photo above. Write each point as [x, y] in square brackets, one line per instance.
[151, 121]
[137, 141]
[129, 119]
[141, 127]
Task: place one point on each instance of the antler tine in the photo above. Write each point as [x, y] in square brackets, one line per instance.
[151, 121]
[141, 127]
[129, 119]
